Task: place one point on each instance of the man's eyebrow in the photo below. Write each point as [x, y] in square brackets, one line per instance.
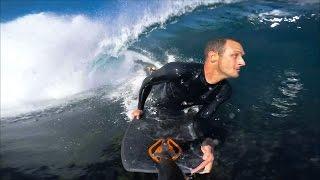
[241, 52]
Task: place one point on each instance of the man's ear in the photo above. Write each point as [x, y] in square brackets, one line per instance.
[214, 56]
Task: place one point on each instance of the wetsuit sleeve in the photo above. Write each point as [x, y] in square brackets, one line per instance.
[167, 73]
[207, 111]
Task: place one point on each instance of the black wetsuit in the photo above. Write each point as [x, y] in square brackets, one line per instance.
[184, 85]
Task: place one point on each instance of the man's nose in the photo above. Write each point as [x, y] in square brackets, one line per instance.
[241, 62]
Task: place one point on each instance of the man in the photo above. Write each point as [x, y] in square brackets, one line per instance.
[188, 84]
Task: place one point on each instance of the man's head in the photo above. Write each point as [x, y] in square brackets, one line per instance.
[226, 56]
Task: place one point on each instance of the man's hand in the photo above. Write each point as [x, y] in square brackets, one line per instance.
[136, 114]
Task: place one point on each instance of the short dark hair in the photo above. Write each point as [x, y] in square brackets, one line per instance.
[216, 45]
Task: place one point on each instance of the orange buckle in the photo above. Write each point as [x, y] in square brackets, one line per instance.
[164, 146]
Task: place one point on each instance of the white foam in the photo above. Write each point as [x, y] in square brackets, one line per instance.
[275, 17]
[170, 57]
[275, 12]
[292, 19]
[44, 56]
[274, 25]
[276, 20]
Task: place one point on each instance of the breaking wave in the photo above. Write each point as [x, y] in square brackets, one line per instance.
[47, 56]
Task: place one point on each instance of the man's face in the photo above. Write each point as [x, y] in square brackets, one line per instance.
[231, 60]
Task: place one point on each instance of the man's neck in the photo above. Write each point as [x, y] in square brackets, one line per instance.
[212, 73]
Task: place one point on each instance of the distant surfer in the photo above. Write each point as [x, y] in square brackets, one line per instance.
[184, 84]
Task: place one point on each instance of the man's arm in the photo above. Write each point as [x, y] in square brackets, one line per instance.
[207, 111]
[167, 73]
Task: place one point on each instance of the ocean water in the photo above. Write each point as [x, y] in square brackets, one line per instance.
[71, 72]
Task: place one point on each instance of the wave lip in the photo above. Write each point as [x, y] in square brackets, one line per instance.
[127, 27]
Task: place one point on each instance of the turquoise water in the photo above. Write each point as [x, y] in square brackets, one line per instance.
[66, 115]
